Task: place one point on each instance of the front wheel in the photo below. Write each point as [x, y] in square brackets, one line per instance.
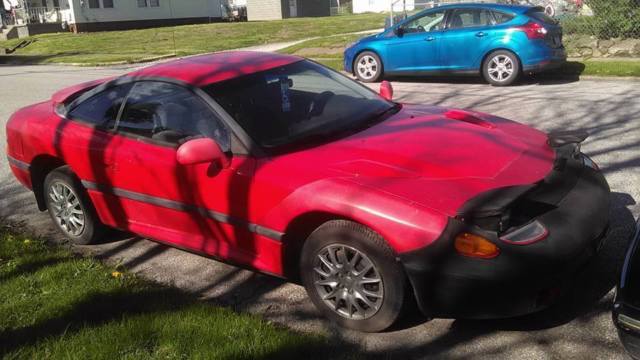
[501, 68]
[368, 67]
[352, 277]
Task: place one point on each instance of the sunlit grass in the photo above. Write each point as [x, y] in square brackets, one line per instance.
[137, 45]
[54, 304]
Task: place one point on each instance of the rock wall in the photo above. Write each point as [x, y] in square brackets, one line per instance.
[590, 46]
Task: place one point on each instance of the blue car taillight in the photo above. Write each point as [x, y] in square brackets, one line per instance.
[533, 30]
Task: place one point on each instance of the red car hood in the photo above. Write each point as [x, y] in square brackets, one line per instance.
[436, 157]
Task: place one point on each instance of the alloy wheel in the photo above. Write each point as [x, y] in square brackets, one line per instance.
[367, 67]
[66, 209]
[348, 282]
[501, 68]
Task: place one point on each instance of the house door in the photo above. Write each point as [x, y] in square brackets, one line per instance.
[293, 8]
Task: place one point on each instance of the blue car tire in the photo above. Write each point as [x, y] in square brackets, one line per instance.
[501, 68]
[368, 67]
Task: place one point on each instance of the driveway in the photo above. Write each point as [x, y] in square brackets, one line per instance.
[579, 327]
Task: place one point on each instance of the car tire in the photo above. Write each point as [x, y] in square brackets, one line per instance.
[367, 292]
[70, 208]
[501, 68]
[368, 67]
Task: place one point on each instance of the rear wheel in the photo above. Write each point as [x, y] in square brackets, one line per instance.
[368, 67]
[501, 68]
[70, 207]
[352, 277]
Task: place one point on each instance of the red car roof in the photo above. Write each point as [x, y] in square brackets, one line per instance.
[211, 68]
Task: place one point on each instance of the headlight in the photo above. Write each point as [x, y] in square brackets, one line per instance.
[589, 163]
[351, 45]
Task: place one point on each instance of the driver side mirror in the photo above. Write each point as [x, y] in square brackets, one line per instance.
[399, 31]
[200, 151]
[386, 90]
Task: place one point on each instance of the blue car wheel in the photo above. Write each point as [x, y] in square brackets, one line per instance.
[368, 67]
[501, 68]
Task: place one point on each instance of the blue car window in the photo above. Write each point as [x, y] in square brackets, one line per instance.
[464, 18]
[501, 17]
[432, 21]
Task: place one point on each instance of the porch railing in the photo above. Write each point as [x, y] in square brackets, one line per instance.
[38, 15]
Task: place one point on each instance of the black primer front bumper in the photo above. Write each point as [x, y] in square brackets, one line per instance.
[523, 278]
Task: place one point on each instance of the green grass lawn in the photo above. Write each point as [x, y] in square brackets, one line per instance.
[328, 51]
[603, 68]
[138, 45]
[54, 304]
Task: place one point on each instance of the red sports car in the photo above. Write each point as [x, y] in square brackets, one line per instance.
[279, 164]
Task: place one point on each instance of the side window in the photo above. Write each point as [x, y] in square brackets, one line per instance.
[102, 108]
[464, 18]
[501, 17]
[432, 21]
[170, 113]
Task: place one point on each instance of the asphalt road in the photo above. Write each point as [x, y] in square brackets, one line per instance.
[579, 327]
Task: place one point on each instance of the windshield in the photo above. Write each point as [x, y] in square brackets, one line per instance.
[297, 102]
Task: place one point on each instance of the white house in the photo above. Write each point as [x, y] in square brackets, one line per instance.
[100, 15]
[363, 6]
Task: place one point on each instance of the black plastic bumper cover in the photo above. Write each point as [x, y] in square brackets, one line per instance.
[523, 278]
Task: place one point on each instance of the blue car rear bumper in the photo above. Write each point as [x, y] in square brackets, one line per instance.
[541, 57]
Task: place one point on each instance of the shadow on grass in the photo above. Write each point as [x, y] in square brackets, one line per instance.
[30, 268]
[31, 59]
[99, 309]
[95, 310]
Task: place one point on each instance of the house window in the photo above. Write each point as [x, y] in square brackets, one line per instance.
[94, 4]
[44, 4]
[107, 4]
[148, 3]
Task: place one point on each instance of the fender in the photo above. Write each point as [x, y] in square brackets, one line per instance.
[405, 225]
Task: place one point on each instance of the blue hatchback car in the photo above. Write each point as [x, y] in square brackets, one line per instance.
[500, 42]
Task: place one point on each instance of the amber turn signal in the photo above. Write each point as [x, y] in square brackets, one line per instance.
[475, 246]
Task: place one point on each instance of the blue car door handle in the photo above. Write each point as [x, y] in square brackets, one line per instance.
[480, 34]
[430, 38]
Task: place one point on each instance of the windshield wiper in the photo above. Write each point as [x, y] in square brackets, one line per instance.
[324, 136]
[379, 116]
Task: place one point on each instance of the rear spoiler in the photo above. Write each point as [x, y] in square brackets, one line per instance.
[72, 92]
[561, 138]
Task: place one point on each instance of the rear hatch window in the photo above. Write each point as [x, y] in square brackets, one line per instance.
[539, 14]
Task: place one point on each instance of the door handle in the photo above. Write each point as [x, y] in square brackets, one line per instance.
[430, 38]
[480, 34]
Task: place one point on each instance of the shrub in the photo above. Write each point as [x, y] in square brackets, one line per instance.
[611, 19]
